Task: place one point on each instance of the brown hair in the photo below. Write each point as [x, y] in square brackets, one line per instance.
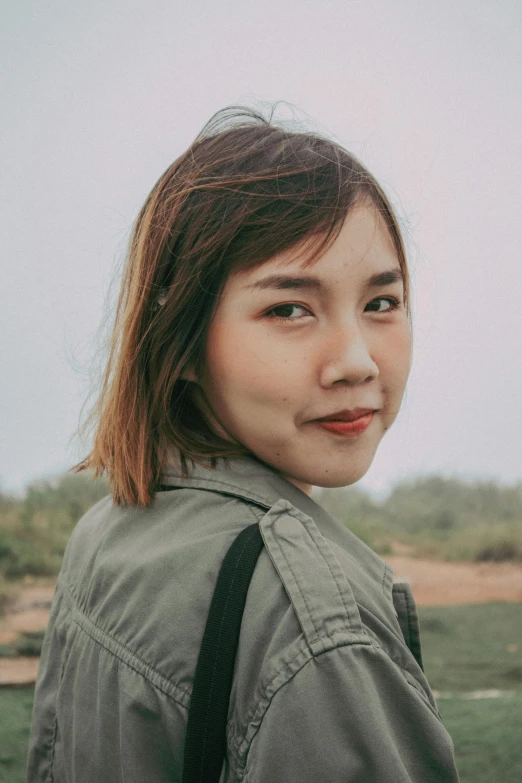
[244, 191]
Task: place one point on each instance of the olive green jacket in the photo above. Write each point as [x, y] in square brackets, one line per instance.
[327, 685]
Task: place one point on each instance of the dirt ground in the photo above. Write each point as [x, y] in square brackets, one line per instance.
[432, 583]
[441, 583]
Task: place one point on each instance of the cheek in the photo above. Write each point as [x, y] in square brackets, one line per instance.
[243, 365]
[395, 362]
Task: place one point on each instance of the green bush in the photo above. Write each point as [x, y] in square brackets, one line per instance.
[484, 543]
[9, 591]
[34, 531]
[19, 557]
[8, 651]
[436, 517]
[30, 643]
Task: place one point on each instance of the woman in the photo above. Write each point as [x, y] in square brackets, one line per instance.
[262, 345]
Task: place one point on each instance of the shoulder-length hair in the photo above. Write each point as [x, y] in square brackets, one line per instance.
[244, 191]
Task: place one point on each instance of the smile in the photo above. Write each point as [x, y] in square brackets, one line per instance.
[348, 429]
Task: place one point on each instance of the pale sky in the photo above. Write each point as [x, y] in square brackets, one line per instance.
[100, 97]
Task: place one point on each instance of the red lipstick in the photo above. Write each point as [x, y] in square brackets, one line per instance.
[347, 428]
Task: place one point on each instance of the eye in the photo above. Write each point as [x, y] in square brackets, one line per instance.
[393, 304]
[285, 311]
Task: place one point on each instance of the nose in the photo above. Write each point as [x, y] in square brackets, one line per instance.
[348, 358]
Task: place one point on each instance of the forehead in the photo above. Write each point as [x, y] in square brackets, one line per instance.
[363, 251]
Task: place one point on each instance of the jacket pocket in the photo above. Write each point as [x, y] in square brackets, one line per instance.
[408, 618]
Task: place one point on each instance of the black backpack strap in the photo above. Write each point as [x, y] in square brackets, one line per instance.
[205, 741]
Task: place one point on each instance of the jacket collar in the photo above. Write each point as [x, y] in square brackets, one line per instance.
[252, 480]
[244, 477]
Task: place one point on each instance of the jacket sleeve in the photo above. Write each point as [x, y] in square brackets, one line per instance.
[349, 715]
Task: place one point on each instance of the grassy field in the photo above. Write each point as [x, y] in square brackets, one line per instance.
[477, 648]
[486, 734]
[15, 721]
[473, 647]
[465, 648]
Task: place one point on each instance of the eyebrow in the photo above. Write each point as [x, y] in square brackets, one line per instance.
[310, 282]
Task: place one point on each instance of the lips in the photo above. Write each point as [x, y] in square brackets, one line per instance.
[347, 429]
[347, 415]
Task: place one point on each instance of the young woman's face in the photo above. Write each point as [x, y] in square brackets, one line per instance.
[282, 353]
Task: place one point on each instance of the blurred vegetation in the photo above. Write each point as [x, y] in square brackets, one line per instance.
[28, 643]
[34, 529]
[433, 516]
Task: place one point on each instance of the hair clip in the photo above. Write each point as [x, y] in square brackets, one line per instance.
[162, 298]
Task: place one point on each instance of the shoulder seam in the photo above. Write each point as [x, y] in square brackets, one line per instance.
[293, 668]
[124, 654]
[282, 678]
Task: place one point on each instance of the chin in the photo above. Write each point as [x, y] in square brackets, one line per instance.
[336, 482]
[333, 477]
